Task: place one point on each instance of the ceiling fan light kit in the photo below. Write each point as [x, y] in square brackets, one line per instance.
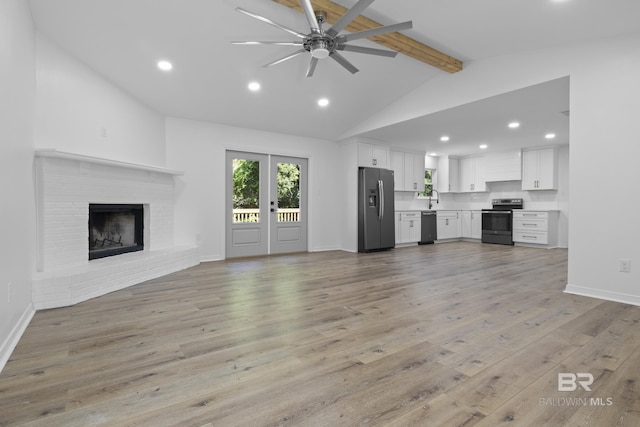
[326, 44]
[319, 48]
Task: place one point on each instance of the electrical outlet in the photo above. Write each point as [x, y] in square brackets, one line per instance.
[103, 132]
[625, 266]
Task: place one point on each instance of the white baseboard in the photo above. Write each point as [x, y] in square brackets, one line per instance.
[211, 259]
[12, 340]
[325, 249]
[601, 294]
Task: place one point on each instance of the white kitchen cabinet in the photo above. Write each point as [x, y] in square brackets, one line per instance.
[408, 170]
[535, 227]
[396, 163]
[372, 155]
[539, 169]
[448, 225]
[471, 224]
[472, 172]
[447, 175]
[414, 171]
[409, 229]
[503, 166]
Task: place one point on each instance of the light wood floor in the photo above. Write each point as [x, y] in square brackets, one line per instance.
[454, 334]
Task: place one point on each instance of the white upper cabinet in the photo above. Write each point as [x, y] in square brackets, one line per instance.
[447, 175]
[539, 169]
[414, 179]
[408, 169]
[472, 174]
[372, 155]
[503, 166]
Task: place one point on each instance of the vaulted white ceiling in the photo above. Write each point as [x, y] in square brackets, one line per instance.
[123, 39]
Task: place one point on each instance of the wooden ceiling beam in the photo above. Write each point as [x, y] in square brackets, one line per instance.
[396, 41]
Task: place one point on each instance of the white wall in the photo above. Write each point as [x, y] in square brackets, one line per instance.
[563, 195]
[198, 149]
[604, 146]
[80, 112]
[349, 198]
[605, 139]
[50, 100]
[17, 209]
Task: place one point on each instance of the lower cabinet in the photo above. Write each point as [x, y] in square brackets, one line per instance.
[472, 225]
[536, 227]
[408, 228]
[449, 225]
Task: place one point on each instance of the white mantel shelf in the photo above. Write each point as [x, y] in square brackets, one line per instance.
[53, 153]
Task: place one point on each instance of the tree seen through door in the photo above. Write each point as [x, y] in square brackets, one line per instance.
[288, 192]
[246, 191]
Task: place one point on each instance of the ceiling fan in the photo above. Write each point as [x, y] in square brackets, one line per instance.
[322, 43]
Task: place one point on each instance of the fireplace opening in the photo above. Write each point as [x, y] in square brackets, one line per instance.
[115, 229]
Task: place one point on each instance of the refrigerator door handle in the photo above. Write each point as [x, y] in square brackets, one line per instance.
[381, 197]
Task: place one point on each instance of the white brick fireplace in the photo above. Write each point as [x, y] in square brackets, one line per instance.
[65, 186]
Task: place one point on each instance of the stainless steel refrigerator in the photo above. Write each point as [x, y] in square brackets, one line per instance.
[376, 228]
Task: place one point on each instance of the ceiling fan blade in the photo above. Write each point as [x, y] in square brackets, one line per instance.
[374, 32]
[269, 43]
[349, 16]
[368, 50]
[270, 22]
[312, 66]
[311, 16]
[342, 61]
[291, 55]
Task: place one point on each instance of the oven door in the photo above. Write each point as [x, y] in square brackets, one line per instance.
[497, 227]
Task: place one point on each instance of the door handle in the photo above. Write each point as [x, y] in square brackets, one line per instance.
[381, 199]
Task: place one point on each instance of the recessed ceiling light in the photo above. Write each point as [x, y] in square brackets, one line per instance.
[323, 102]
[514, 125]
[444, 138]
[483, 146]
[165, 65]
[550, 135]
[254, 86]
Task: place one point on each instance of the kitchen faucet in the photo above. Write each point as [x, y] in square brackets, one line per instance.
[433, 190]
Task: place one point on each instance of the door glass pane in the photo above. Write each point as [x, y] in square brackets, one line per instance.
[246, 191]
[288, 192]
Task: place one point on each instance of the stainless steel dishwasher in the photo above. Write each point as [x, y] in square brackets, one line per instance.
[428, 228]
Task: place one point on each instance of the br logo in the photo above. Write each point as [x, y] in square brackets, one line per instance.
[568, 381]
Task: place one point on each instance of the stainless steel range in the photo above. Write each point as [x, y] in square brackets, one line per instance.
[497, 223]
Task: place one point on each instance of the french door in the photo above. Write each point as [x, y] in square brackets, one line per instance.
[266, 204]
